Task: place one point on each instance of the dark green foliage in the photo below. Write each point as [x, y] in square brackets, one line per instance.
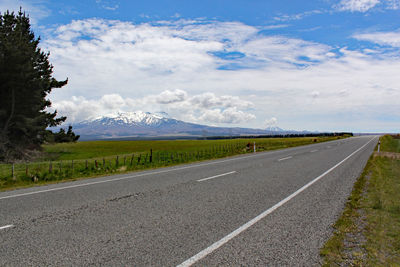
[25, 81]
[61, 136]
[65, 137]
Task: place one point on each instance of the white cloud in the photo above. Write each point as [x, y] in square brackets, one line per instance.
[229, 115]
[267, 74]
[35, 9]
[210, 100]
[290, 50]
[168, 97]
[382, 38]
[213, 109]
[393, 4]
[298, 16]
[108, 4]
[357, 5]
[271, 122]
[315, 94]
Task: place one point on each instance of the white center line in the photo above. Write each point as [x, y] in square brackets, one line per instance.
[216, 176]
[315, 150]
[285, 158]
[6, 226]
[143, 174]
[253, 221]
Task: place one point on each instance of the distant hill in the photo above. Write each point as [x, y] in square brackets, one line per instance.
[146, 125]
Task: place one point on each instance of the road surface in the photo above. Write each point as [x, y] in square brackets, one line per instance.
[272, 209]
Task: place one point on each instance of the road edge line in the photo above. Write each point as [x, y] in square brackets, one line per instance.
[253, 221]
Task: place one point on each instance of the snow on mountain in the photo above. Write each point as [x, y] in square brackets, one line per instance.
[132, 118]
[274, 129]
[146, 124]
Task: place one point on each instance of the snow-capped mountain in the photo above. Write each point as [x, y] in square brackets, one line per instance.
[144, 124]
[132, 118]
[274, 129]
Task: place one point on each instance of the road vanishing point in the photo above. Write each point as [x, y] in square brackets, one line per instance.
[271, 208]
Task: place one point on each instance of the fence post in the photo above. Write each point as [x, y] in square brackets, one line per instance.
[132, 159]
[116, 162]
[95, 163]
[151, 155]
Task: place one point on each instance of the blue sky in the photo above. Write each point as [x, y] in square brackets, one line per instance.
[327, 65]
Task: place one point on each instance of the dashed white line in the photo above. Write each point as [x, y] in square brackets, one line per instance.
[250, 223]
[315, 150]
[216, 176]
[285, 158]
[138, 175]
[6, 226]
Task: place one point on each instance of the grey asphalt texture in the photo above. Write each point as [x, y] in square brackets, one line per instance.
[163, 217]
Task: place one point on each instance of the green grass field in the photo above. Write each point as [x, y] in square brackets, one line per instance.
[68, 161]
[368, 232]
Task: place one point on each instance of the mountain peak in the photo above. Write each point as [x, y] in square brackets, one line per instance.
[274, 129]
[141, 124]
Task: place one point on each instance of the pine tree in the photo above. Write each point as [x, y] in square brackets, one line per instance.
[25, 81]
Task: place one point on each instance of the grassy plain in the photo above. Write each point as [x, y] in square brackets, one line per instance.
[69, 161]
[368, 232]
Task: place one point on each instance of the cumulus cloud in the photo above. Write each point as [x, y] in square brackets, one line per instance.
[357, 5]
[168, 97]
[221, 109]
[271, 122]
[290, 50]
[210, 100]
[144, 64]
[229, 115]
[381, 38]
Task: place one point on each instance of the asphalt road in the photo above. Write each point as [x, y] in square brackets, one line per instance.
[270, 209]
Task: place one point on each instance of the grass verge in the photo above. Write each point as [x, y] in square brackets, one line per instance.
[368, 231]
[69, 161]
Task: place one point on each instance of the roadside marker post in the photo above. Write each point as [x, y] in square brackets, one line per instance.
[379, 145]
[254, 147]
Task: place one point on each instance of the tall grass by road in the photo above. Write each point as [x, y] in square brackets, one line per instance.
[368, 232]
[70, 161]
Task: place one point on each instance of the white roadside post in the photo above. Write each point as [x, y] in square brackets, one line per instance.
[379, 145]
[254, 147]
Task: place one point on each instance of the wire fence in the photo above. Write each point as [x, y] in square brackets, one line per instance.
[65, 169]
[36, 172]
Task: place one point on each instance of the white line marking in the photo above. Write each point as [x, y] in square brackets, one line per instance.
[129, 177]
[216, 176]
[328, 147]
[145, 174]
[315, 150]
[6, 226]
[285, 158]
[250, 223]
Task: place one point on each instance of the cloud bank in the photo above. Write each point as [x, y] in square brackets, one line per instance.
[223, 73]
